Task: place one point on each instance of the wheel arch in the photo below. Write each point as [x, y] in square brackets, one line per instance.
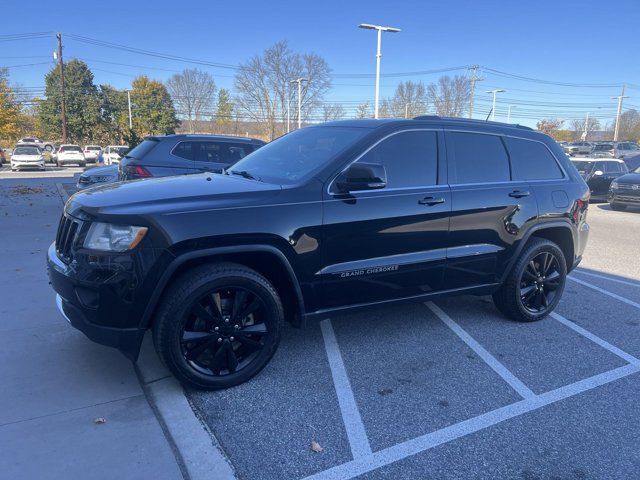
[267, 260]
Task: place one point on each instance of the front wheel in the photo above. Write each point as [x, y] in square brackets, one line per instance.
[535, 284]
[218, 326]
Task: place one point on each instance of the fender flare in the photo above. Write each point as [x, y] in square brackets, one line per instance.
[527, 235]
[207, 252]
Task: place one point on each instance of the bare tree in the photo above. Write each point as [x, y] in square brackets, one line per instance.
[410, 99]
[264, 90]
[549, 125]
[578, 127]
[193, 92]
[450, 96]
[362, 110]
[333, 111]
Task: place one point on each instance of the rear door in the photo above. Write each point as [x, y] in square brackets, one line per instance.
[490, 209]
[389, 243]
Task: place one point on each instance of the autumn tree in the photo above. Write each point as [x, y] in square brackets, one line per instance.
[578, 127]
[82, 103]
[11, 118]
[549, 126]
[629, 128]
[449, 95]
[194, 93]
[265, 92]
[153, 110]
[332, 111]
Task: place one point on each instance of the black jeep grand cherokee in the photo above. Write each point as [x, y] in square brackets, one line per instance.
[327, 219]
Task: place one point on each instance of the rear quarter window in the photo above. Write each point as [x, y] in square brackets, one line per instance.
[531, 160]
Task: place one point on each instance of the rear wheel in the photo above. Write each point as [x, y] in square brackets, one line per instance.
[617, 207]
[218, 326]
[535, 284]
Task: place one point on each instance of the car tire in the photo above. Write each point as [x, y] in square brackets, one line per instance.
[618, 207]
[48, 148]
[192, 311]
[532, 290]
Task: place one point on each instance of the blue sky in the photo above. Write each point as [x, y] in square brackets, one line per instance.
[574, 42]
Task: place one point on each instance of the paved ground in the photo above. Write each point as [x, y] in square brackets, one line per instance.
[453, 389]
[55, 382]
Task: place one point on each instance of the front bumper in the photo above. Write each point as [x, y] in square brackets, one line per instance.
[625, 197]
[19, 164]
[86, 305]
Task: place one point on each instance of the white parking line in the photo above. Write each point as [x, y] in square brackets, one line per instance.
[356, 433]
[606, 292]
[604, 277]
[425, 442]
[594, 338]
[499, 368]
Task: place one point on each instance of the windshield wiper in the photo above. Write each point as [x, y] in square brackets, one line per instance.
[242, 173]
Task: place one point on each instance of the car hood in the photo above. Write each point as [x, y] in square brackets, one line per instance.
[171, 194]
[629, 178]
[106, 171]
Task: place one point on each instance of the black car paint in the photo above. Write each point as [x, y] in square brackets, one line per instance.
[338, 251]
[627, 191]
[599, 183]
[160, 161]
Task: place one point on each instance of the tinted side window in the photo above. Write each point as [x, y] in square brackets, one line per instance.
[410, 158]
[479, 158]
[531, 160]
[184, 150]
[222, 152]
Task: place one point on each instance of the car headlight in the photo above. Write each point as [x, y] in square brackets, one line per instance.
[113, 238]
[614, 184]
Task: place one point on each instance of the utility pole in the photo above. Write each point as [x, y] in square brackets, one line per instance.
[289, 107]
[509, 114]
[62, 105]
[620, 98]
[474, 78]
[299, 82]
[129, 100]
[586, 128]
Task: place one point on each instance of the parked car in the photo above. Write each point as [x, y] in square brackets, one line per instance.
[113, 153]
[27, 156]
[604, 150]
[92, 152]
[625, 191]
[578, 148]
[625, 149]
[70, 154]
[632, 161]
[599, 173]
[97, 175]
[41, 144]
[161, 156]
[329, 218]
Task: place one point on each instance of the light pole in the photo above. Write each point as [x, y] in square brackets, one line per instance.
[509, 113]
[129, 100]
[299, 82]
[619, 98]
[380, 29]
[493, 109]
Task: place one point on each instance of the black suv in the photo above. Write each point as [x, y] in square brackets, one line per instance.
[166, 155]
[327, 219]
[598, 174]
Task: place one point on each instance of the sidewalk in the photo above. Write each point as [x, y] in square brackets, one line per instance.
[55, 382]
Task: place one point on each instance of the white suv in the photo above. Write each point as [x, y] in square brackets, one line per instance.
[70, 154]
[41, 144]
[92, 152]
[113, 153]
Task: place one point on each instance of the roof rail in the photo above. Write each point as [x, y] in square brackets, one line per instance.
[470, 120]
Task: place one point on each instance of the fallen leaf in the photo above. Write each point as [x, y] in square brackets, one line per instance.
[315, 446]
[100, 421]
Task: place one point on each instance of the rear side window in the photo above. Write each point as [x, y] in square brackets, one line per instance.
[410, 158]
[531, 160]
[222, 152]
[140, 150]
[185, 150]
[479, 158]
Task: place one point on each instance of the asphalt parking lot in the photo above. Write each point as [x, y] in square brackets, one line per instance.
[452, 389]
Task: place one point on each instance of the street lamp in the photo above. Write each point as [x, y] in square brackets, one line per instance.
[493, 109]
[509, 113]
[299, 82]
[380, 29]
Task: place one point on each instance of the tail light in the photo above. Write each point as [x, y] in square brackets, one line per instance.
[136, 171]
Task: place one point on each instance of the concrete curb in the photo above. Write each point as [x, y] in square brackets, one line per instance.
[63, 193]
[195, 446]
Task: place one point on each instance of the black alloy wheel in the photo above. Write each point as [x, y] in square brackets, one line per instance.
[218, 325]
[539, 282]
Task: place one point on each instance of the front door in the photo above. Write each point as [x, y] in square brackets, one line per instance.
[389, 243]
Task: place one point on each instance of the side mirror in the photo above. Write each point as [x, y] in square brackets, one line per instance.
[598, 173]
[362, 176]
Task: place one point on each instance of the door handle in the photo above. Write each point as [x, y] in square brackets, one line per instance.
[431, 201]
[519, 194]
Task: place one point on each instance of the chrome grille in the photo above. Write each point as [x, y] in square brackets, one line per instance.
[628, 186]
[67, 232]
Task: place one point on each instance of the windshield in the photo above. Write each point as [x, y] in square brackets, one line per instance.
[298, 155]
[583, 167]
[26, 151]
